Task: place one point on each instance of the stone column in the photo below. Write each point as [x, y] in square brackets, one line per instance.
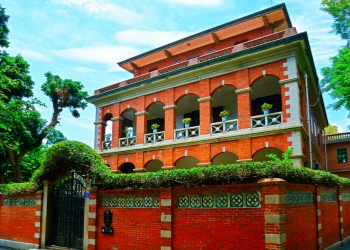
[205, 115]
[98, 134]
[89, 241]
[141, 126]
[275, 213]
[46, 214]
[166, 219]
[244, 107]
[97, 128]
[169, 121]
[319, 217]
[116, 130]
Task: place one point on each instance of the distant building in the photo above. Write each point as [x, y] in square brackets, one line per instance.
[236, 66]
[337, 150]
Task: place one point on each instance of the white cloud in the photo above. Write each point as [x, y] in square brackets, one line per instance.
[26, 53]
[105, 9]
[106, 55]
[196, 2]
[83, 69]
[150, 38]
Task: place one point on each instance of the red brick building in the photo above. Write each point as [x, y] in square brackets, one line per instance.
[237, 67]
[337, 148]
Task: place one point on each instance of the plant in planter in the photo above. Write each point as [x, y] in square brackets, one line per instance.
[108, 137]
[266, 108]
[155, 127]
[224, 114]
[187, 122]
[126, 131]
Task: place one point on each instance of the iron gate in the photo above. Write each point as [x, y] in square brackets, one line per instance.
[68, 216]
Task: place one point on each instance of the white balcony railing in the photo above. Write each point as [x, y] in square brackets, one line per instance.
[127, 141]
[266, 120]
[223, 127]
[186, 132]
[106, 144]
[154, 137]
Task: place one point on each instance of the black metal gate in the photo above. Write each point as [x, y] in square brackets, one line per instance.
[68, 216]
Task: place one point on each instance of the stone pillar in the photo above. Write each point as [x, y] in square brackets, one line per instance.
[290, 100]
[116, 130]
[244, 107]
[98, 134]
[97, 128]
[318, 218]
[275, 213]
[169, 121]
[141, 128]
[205, 115]
[166, 218]
[46, 214]
[89, 241]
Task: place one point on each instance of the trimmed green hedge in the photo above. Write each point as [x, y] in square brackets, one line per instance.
[66, 156]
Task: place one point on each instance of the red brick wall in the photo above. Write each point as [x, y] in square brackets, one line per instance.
[17, 223]
[134, 228]
[301, 221]
[214, 228]
[345, 214]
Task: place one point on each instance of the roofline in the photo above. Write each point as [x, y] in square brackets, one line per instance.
[300, 36]
[211, 30]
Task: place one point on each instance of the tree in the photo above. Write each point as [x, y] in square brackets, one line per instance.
[331, 129]
[22, 129]
[4, 30]
[340, 10]
[337, 76]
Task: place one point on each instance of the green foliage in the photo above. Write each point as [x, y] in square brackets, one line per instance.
[186, 120]
[285, 157]
[337, 80]
[266, 106]
[126, 129]
[224, 113]
[16, 188]
[63, 157]
[15, 81]
[31, 162]
[155, 126]
[54, 136]
[331, 129]
[65, 93]
[4, 30]
[340, 11]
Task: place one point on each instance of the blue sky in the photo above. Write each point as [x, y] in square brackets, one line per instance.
[84, 39]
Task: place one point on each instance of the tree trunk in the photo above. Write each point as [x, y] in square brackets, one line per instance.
[2, 178]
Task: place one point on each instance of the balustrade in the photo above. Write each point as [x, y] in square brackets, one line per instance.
[186, 132]
[154, 137]
[266, 120]
[223, 127]
[106, 144]
[127, 141]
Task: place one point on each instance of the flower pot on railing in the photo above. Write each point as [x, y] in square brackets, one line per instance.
[155, 130]
[187, 122]
[266, 112]
[108, 137]
[223, 119]
[187, 125]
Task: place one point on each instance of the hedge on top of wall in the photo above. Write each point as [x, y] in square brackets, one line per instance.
[68, 156]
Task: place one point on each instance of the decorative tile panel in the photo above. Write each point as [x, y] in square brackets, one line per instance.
[229, 200]
[19, 202]
[329, 196]
[131, 201]
[299, 198]
[345, 196]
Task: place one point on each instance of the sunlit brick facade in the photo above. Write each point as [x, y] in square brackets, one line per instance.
[237, 67]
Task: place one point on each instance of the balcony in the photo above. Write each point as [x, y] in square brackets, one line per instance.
[266, 120]
[201, 59]
[127, 141]
[224, 127]
[341, 136]
[186, 132]
[154, 137]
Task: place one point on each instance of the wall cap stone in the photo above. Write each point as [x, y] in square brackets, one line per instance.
[99, 122]
[295, 79]
[141, 113]
[275, 218]
[245, 160]
[118, 118]
[271, 180]
[139, 170]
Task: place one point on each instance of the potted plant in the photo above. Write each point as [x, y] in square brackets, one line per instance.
[187, 122]
[266, 108]
[155, 127]
[108, 137]
[224, 114]
[126, 131]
